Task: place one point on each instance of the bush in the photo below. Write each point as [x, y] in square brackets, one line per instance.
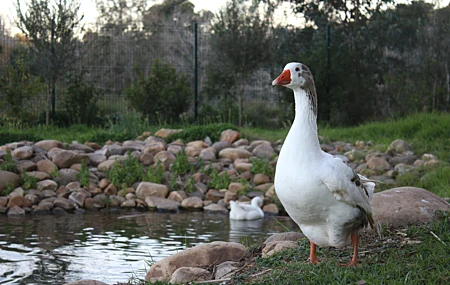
[161, 97]
[80, 101]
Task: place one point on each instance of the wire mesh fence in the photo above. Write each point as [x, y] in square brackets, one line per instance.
[111, 57]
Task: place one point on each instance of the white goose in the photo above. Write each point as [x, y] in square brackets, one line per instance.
[321, 193]
[247, 212]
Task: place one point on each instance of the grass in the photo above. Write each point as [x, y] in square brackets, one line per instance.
[414, 255]
[411, 255]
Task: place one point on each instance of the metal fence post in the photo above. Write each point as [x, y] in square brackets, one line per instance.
[195, 72]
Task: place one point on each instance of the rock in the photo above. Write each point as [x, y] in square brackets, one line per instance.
[229, 136]
[406, 206]
[19, 201]
[243, 166]
[106, 165]
[263, 187]
[273, 247]
[16, 211]
[163, 133]
[129, 203]
[164, 157]
[46, 166]
[264, 151]
[47, 185]
[192, 203]
[86, 282]
[96, 158]
[234, 153]
[226, 269]
[400, 147]
[67, 158]
[47, 145]
[203, 255]
[235, 187]
[48, 193]
[287, 236]
[208, 154]
[193, 151]
[39, 175]
[271, 208]
[64, 203]
[102, 184]
[3, 201]
[402, 168]
[146, 159]
[151, 189]
[66, 175]
[80, 147]
[407, 159]
[23, 153]
[6, 178]
[111, 189]
[184, 275]
[175, 149]
[78, 198]
[260, 179]
[16, 192]
[378, 164]
[26, 165]
[229, 196]
[241, 142]
[215, 208]
[177, 196]
[214, 195]
[162, 204]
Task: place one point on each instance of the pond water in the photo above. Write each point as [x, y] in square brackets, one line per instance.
[112, 246]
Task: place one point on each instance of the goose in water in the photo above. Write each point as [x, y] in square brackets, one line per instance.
[320, 192]
[247, 212]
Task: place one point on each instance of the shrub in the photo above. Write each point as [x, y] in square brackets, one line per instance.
[162, 96]
[124, 174]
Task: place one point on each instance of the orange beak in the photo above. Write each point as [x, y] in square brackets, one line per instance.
[283, 79]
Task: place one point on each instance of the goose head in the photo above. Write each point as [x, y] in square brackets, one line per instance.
[257, 202]
[295, 75]
[298, 77]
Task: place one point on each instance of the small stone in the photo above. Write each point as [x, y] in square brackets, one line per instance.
[166, 158]
[129, 203]
[110, 190]
[234, 153]
[214, 195]
[151, 189]
[273, 247]
[161, 203]
[78, 198]
[47, 185]
[184, 275]
[271, 209]
[65, 204]
[235, 187]
[16, 211]
[177, 196]
[215, 208]
[47, 145]
[192, 203]
[260, 179]
[22, 153]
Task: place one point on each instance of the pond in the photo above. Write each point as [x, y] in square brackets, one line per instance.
[112, 246]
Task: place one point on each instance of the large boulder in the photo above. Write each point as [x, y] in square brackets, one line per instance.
[203, 255]
[406, 206]
[151, 189]
[49, 144]
[8, 177]
[24, 152]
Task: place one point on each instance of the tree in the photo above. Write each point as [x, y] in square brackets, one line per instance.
[50, 29]
[240, 43]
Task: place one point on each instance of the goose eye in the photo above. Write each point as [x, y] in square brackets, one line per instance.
[297, 69]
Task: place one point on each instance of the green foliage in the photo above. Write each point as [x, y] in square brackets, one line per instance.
[162, 96]
[19, 87]
[80, 101]
[219, 181]
[126, 173]
[9, 164]
[9, 188]
[181, 164]
[131, 124]
[155, 174]
[189, 184]
[201, 132]
[83, 175]
[28, 181]
[261, 165]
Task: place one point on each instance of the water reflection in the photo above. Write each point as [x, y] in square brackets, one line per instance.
[111, 246]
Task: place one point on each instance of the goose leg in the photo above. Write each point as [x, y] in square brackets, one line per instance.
[312, 254]
[354, 262]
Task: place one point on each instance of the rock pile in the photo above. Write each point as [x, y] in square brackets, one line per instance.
[57, 168]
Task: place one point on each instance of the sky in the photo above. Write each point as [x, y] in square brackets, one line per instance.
[88, 7]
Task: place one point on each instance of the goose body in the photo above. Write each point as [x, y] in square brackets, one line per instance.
[320, 192]
[247, 212]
